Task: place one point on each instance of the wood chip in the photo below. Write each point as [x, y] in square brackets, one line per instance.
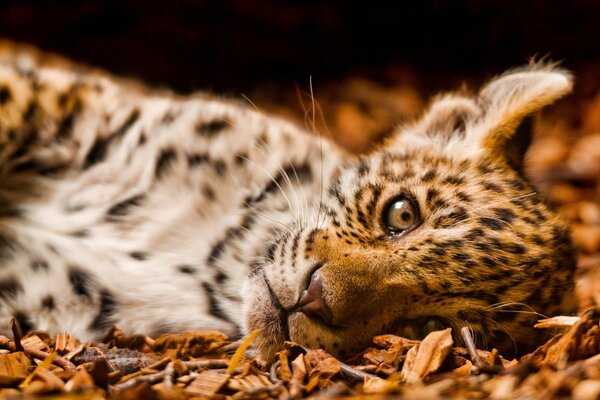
[65, 343]
[189, 344]
[207, 383]
[34, 342]
[14, 367]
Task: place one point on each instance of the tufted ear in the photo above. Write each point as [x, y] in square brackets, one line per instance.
[489, 121]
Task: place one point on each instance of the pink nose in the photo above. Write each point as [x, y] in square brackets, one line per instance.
[311, 300]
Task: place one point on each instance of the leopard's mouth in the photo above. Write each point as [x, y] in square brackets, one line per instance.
[418, 328]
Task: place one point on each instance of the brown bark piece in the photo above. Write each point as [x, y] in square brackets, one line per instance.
[249, 383]
[207, 383]
[80, 382]
[189, 344]
[44, 382]
[34, 342]
[285, 373]
[14, 367]
[65, 343]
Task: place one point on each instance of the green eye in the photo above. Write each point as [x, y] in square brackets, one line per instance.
[400, 215]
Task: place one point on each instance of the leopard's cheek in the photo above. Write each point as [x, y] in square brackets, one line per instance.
[263, 314]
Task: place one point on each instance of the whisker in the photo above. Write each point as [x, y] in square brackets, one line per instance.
[249, 101]
[314, 130]
[489, 206]
[300, 212]
[272, 179]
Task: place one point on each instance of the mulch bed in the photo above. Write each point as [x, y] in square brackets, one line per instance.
[207, 365]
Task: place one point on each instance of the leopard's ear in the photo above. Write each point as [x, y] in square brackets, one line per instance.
[487, 123]
[508, 99]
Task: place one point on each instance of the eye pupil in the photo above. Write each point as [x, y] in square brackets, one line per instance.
[406, 216]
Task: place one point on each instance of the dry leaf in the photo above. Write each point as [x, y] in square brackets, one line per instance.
[428, 356]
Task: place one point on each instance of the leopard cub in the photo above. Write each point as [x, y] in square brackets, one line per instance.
[157, 213]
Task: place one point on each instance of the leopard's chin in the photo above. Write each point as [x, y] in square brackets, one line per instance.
[345, 341]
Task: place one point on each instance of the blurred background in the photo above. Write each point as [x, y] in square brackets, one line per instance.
[372, 67]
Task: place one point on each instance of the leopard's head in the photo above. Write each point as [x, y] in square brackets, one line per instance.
[436, 228]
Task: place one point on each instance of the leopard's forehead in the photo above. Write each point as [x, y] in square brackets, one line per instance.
[427, 177]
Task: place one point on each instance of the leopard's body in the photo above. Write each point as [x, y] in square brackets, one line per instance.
[158, 213]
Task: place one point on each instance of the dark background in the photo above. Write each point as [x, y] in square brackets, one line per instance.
[232, 46]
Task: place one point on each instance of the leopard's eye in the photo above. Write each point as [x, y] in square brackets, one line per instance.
[401, 214]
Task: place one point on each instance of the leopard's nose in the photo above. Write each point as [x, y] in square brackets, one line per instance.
[311, 299]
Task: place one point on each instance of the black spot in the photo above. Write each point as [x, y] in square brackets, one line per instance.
[483, 246]
[48, 303]
[9, 288]
[30, 111]
[216, 251]
[454, 180]
[24, 322]
[220, 167]
[80, 233]
[537, 239]
[485, 167]
[439, 204]
[517, 248]
[221, 277]
[505, 214]
[241, 158]
[438, 251]
[80, 281]
[462, 196]
[214, 307]
[431, 195]
[98, 151]
[5, 95]
[65, 126]
[39, 265]
[142, 140]
[475, 234]
[492, 187]
[461, 257]
[63, 99]
[429, 175]
[163, 163]
[124, 207]
[186, 269]
[212, 128]
[11, 211]
[516, 184]
[139, 255]
[105, 317]
[197, 159]
[208, 192]
[168, 117]
[539, 216]
[492, 223]
[488, 262]
[7, 247]
[299, 172]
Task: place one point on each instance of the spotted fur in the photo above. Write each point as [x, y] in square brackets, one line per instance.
[159, 213]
